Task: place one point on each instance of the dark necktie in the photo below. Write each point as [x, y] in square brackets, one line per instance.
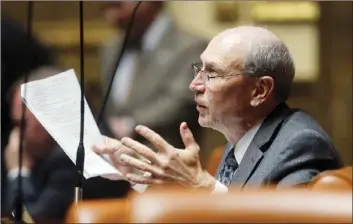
[229, 168]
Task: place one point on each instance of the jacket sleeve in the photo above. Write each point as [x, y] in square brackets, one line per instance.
[305, 155]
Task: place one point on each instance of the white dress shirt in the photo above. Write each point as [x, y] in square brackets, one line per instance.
[239, 152]
[129, 62]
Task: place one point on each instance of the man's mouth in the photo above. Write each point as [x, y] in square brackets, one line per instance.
[200, 107]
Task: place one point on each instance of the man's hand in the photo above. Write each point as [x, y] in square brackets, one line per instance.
[114, 149]
[12, 151]
[182, 166]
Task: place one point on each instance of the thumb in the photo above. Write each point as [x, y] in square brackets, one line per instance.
[187, 137]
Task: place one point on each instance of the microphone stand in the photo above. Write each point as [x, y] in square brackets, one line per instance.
[120, 55]
[80, 155]
[18, 213]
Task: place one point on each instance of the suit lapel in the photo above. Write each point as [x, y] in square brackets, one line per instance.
[251, 158]
[263, 138]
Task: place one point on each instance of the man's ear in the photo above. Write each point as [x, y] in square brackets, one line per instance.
[264, 87]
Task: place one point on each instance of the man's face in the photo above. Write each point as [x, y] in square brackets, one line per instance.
[119, 14]
[36, 139]
[222, 100]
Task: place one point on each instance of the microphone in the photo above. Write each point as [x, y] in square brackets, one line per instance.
[128, 30]
[80, 155]
[19, 198]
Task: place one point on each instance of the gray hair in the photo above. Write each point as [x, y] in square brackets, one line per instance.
[271, 58]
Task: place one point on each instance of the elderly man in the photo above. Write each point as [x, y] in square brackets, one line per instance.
[240, 89]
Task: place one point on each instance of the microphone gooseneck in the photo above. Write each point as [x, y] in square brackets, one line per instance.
[19, 196]
[80, 155]
[128, 30]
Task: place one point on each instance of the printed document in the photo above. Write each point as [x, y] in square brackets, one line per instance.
[55, 102]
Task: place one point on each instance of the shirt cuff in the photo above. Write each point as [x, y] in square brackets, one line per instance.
[220, 188]
[13, 174]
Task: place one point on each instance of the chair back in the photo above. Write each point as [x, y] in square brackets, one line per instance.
[258, 206]
[100, 211]
[340, 179]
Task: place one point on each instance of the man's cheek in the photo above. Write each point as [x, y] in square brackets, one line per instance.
[211, 94]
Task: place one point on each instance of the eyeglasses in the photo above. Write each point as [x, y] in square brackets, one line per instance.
[206, 76]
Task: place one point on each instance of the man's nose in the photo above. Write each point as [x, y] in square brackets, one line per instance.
[197, 85]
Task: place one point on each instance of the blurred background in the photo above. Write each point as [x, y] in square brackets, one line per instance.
[318, 34]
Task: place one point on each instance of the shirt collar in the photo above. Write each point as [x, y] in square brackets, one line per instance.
[244, 142]
[156, 31]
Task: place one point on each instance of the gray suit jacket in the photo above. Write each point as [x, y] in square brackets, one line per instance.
[160, 97]
[289, 149]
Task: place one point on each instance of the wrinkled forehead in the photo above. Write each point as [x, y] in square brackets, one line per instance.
[225, 50]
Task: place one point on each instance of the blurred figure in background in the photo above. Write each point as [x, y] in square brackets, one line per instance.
[19, 56]
[151, 82]
[48, 174]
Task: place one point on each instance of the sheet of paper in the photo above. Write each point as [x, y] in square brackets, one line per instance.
[55, 102]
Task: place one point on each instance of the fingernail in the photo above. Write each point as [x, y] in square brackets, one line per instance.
[138, 128]
[185, 125]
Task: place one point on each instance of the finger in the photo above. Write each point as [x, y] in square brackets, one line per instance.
[110, 155]
[188, 138]
[141, 165]
[156, 140]
[103, 149]
[141, 149]
[106, 147]
[113, 148]
[139, 179]
[112, 177]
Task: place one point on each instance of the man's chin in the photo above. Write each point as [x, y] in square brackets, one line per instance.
[204, 122]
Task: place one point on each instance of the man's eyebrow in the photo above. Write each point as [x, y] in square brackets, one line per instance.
[210, 64]
[213, 65]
